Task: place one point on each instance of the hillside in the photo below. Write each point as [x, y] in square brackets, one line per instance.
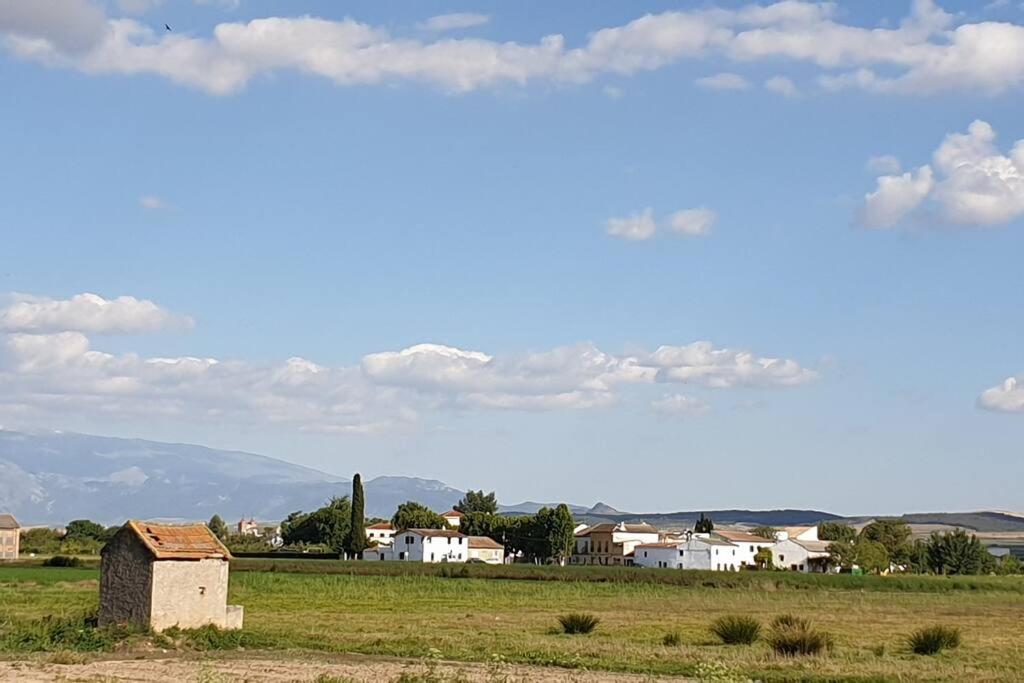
[50, 478]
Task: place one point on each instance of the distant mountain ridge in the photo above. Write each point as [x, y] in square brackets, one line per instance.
[54, 477]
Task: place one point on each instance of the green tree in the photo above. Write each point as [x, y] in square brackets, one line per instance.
[558, 528]
[704, 525]
[1009, 565]
[763, 558]
[85, 530]
[412, 515]
[871, 556]
[478, 501]
[357, 541]
[327, 526]
[765, 531]
[957, 552]
[893, 534]
[218, 527]
[836, 531]
[41, 541]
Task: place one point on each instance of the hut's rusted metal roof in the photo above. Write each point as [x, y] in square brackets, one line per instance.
[179, 541]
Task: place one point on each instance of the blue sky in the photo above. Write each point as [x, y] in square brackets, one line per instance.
[273, 181]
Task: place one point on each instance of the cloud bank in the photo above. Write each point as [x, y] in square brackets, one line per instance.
[928, 52]
[48, 364]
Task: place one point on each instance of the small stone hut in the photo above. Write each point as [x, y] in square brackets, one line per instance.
[162, 575]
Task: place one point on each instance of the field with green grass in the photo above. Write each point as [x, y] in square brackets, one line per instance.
[380, 609]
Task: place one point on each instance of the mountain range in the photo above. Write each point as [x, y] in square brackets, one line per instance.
[53, 477]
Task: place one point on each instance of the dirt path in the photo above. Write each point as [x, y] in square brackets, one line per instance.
[300, 669]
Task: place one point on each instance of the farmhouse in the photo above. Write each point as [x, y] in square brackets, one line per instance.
[162, 575]
[486, 549]
[697, 551]
[611, 544]
[423, 545]
[10, 537]
[381, 533]
[747, 544]
[801, 556]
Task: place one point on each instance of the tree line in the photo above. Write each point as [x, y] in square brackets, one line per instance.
[885, 545]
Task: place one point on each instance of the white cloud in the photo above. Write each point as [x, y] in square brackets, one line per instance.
[701, 364]
[895, 197]
[1008, 397]
[678, 405]
[639, 226]
[927, 52]
[692, 221]
[885, 164]
[152, 202]
[451, 22]
[972, 183]
[46, 371]
[782, 86]
[724, 81]
[87, 313]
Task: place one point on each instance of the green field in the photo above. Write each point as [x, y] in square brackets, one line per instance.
[420, 613]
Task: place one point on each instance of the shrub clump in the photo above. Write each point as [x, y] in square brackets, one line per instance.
[672, 639]
[790, 636]
[931, 640]
[736, 629]
[60, 633]
[63, 561]
[578, 623]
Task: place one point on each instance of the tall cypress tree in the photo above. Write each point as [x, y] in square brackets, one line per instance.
[357, 542]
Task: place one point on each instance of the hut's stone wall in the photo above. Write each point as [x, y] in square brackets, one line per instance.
[125, 581]
[189, 594]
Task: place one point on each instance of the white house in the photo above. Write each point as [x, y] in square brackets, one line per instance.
[611, 544]
[801, 556]
[423, 545]
[698, 551]
[453, 517]
[747, 544]
[486, 549]
[381, 533]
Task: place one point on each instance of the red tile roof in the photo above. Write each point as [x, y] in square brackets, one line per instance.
[484, 543]
[8, 522]
[381, 525]
[178, 541]
[452, 513]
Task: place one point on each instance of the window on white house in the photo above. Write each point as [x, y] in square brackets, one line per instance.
[409, 540]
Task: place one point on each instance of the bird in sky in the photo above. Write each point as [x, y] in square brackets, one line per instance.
[167, 27]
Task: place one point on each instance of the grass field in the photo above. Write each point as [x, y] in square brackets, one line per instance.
[423, 614]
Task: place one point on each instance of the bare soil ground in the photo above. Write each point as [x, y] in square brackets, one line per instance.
[274, 668]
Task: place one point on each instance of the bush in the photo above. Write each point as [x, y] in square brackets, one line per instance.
[672, 639]
[55, 634]
[736, 630]
[578, 623]
[790, 636]
[62, 561]
[933, 639]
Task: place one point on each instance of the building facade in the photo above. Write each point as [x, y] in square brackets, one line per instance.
[611, 544]
[423, 545]
[10, 537]
[381, 533]
[486, 549]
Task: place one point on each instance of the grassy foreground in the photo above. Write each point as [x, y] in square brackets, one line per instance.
[417, 615]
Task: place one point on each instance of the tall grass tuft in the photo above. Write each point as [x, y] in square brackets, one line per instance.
[578, 623]
[736, 629]
[672, 639]
[931, 640]
[791, 636]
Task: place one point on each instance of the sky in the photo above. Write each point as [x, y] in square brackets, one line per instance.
[670, 256]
